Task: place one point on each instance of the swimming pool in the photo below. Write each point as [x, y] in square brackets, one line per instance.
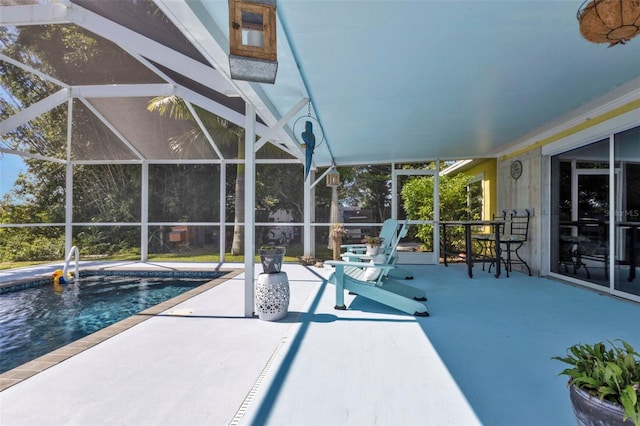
[38, 320]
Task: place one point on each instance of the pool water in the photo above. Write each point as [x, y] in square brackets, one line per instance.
[38, 320]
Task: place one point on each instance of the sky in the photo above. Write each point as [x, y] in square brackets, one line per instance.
[10, 166]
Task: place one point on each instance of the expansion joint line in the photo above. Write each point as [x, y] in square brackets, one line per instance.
[256, 386]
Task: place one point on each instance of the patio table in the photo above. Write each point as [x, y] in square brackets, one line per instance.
[468, 225]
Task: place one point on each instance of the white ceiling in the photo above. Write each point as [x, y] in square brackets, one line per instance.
[406, 80]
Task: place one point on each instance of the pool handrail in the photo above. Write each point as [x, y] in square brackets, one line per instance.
[73, 250]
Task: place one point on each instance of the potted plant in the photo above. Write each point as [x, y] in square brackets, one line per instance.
[604, 383]
[271, 258]
[336, 232]
[373, 244]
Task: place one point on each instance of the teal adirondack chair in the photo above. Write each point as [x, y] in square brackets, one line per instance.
[387, 233]
[392, 232]
[371, 281]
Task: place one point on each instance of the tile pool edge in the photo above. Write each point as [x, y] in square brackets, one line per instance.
[33, 367]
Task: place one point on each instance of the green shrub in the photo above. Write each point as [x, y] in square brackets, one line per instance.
[35, 248]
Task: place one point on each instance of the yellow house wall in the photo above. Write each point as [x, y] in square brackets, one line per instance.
[489, 185]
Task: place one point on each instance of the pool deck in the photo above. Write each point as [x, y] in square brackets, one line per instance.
[483, 357]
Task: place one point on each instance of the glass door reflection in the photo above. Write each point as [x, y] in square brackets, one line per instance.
[627, 212]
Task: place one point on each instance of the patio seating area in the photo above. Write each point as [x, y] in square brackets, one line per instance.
[482, 357]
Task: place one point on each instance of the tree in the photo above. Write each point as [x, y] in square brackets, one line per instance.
[280, 187]
[368, 187]
[74, 55]
[282, 191]
[223, 133]
[417, 194]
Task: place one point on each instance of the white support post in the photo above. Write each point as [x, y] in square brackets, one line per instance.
[222, 229]
[307, 213]
[249, 209]
[68, 204]
[312, 217]
[144, 213]
[613, 218]
[436, 211]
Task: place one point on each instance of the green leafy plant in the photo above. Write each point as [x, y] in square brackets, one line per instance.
[372, 240]
[270, 249]
[611, 374]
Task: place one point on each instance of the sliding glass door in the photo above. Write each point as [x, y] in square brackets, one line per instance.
[595, 213]
[627, 213]
[580, 226]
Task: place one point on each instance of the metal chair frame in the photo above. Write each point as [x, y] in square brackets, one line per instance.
[487, 241]
[513, 242]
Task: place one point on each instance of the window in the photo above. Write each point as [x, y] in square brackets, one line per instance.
[475, 197]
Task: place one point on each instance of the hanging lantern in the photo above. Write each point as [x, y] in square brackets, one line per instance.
[333, 178]
[252, 40]
[609, 21]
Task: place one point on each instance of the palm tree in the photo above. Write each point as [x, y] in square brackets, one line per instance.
[224, 133]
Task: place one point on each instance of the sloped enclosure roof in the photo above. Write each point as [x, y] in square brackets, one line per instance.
[113, 82]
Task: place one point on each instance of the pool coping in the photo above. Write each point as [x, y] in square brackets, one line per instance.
[33, 367]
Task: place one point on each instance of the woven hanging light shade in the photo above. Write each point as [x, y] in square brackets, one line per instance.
[609, 21]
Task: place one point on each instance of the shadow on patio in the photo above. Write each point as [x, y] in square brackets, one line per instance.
[483, 356]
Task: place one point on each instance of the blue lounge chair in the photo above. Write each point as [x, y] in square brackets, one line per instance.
[371, 281]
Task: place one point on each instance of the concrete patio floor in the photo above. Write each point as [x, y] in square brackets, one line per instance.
[483, 357]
